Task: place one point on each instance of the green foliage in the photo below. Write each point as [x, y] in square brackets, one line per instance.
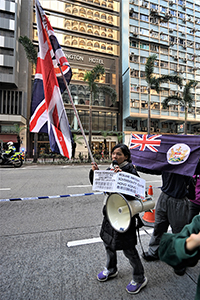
[186, 99]
[29, 48]
[93, 76]
[77, 139]
[154, 82]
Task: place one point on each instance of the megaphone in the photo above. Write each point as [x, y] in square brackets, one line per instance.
[120, 210]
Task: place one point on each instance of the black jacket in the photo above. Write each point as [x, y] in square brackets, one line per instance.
[114, 239]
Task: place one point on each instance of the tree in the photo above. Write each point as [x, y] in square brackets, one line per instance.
[29, 48]
[31, 55]
[155, 82]
[185, 101]
[92, 78]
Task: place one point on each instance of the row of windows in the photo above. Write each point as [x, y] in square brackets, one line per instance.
[10, 102]
[176, 55]
[158, 32]
[164, 20]
[157, 105]
[89, 13]
[91, 29]
[166, 65]
[59, 5]
[84, 43]
[184, 4]
[90, 44]
[145, 46]
[144, 89]
[101, 121]
[172, 39]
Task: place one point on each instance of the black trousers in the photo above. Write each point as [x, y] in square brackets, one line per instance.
[194, 209]
[134, 259]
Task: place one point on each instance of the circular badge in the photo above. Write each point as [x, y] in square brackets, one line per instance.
[178, 154]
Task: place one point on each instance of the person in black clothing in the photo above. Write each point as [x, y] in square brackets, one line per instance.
[171, 209]
[125, 241]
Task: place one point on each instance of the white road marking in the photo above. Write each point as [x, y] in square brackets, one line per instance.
[99, 240]
[72, 186]
[5, 189]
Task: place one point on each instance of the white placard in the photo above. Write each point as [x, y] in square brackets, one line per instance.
[121, 182]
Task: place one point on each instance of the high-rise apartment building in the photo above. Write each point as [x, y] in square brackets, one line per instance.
[171, 30]
[14, 21]
[89, 34]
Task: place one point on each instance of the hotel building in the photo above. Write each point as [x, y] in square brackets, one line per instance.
[89, 34]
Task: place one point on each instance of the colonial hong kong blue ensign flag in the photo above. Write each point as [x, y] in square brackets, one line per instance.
[171, 153]
[47, 108]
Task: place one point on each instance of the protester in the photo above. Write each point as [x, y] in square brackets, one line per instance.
[171, 209]
[125, 241]
[194, 205]
[182, 249]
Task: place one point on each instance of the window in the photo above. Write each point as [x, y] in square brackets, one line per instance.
[144, 46]
[154, 47]
[144, 18]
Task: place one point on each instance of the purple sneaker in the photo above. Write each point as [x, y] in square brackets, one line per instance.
[134, 287]
[106, 274]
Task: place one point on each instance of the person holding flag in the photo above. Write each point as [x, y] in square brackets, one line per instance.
[173, 157]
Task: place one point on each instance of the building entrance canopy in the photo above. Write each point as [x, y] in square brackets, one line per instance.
[8, 137]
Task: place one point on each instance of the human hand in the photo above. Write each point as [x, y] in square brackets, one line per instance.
[117, 169]
[193, 242]
[94, 166]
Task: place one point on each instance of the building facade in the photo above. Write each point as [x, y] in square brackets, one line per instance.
[14, 78]
[171, 30]
[89, 34]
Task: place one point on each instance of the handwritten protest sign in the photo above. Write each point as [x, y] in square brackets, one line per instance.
[121, 182]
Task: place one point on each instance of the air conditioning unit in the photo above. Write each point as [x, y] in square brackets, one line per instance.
[176, 57]
[184, 19]
[189, 19]
[171, 29]
[184, 59]
[171, 2]
[151, 30]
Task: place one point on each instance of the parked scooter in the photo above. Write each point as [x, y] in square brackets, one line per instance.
[15, 160]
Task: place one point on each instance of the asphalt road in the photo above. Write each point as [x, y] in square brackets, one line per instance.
[50, 248]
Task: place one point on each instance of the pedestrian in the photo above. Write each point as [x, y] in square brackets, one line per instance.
[125, 241]
[194, 205]
[182, 249]
[171, 209]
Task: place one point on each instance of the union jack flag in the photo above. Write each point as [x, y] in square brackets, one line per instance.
[145, 141]
[47, 108]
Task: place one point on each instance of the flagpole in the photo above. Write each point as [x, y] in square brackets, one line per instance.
[77, 116]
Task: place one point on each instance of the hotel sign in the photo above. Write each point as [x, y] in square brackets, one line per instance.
[84, 58]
